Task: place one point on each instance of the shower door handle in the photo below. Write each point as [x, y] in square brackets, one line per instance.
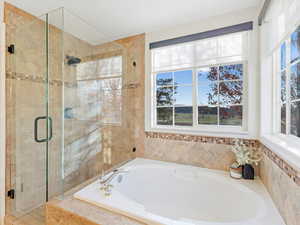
[36, 128]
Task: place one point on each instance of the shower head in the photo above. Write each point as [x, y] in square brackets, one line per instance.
[72, 60]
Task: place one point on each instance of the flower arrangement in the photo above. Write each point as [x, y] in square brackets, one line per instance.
[245, 155]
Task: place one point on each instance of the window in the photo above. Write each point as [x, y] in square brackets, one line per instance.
[200, 83]
[100, 89]
[288, 75]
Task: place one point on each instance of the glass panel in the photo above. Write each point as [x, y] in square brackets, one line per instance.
[208, 93]
[207, 115]
[163, 79]
[183, 116]
[283, 86]
[110, 84]
[283, 56]
[111, 106]
[207, 74]
[183, 77]
[283, 119]
[295, 118]
[230, 92]
[231, 115]
[106, 67]
[55, 102]
[207, 88]
[295, 45]
[183, 95]
[109, 66]
[164, 96]
[165, 116]
[231, 72]
[27, 100]
[98, 134]
[295, 81]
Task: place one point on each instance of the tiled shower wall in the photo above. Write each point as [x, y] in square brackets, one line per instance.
[90, 145]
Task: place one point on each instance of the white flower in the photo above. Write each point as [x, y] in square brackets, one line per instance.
[245, 155]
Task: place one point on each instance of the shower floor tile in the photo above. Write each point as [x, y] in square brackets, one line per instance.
[35, 217]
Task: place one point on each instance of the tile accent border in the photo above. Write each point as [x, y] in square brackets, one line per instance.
[282, 164]
[203, 139]
[37, 79]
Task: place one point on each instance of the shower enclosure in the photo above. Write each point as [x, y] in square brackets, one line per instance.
[67, 109]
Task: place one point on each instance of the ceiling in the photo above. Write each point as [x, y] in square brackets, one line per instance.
[116, 19]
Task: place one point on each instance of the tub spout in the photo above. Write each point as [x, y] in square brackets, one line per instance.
[105, 181]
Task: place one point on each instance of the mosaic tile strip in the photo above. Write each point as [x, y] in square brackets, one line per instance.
[131, 86]
[38, 79]
[202, 139]
[282, 164]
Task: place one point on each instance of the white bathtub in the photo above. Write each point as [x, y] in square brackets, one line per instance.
[166, 193]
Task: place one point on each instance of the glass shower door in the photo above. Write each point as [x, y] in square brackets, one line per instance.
[30, 122]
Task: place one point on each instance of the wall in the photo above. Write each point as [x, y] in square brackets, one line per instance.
[212, 153]
[202, 151]
[90, 146]
[283, 183]
[280, 171]
[212, 23]
[281, 178]
[2, 116]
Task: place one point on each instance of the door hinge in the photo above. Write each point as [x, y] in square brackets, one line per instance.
[11, 49]
[11, 193]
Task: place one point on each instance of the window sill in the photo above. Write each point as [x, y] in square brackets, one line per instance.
[286, 147]
[211, 132]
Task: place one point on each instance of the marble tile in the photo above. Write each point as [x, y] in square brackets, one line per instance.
[282, 188]
[75, 212]
[71, 211]
[213, 156]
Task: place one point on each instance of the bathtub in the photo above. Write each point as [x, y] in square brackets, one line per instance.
[157, 192]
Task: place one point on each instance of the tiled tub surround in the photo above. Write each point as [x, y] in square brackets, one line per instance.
[280, 179]
[208, 152]
[174, 191]
[71, 211]
[282, 182]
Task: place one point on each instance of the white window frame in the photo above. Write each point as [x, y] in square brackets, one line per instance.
[286, 146]
[277, 91]
[215, 130]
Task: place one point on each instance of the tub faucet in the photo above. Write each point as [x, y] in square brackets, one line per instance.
[105, 183]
